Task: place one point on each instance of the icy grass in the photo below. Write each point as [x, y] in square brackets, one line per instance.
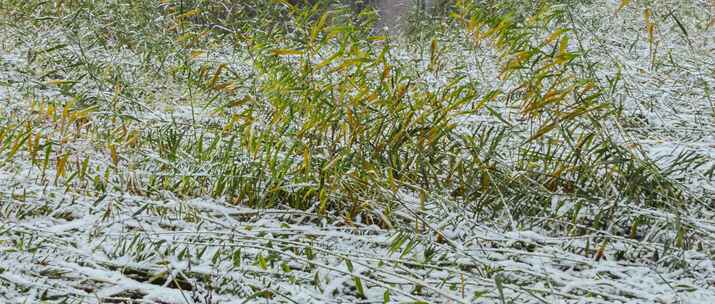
[196, 152]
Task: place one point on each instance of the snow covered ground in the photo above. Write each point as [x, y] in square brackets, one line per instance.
[99, 235]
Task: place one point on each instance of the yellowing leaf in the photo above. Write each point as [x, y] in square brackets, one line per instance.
[196, 54]
[61, 163]
[286, 52]
[563, 46]
[190, 13]
[216, 75]
[113, 154]
[228, 87]
[327, 61]
[554, 36]
[51, 112]
[623, 4]
[84, 113]
[543, 130]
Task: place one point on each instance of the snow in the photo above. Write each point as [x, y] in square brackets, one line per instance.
[90, 247]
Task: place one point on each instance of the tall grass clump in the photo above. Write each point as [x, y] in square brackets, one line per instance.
[574, 144]
[326, 117]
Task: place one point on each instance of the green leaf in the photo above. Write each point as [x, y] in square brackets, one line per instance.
[237, 258]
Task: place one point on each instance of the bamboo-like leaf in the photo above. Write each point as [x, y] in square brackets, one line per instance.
[622, 5]
[61, 165]
[318, 27]
[188, 14]
[546, 128]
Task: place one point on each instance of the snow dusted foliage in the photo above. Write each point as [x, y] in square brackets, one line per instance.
[280, 154]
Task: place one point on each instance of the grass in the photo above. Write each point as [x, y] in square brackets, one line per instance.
[217, 151]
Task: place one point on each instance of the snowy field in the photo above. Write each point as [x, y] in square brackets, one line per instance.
[146, 157]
